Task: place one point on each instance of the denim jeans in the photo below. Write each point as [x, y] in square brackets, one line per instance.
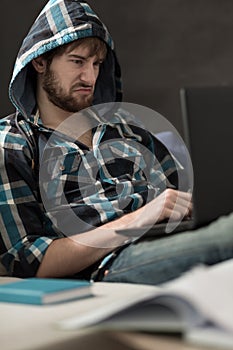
[159, 260]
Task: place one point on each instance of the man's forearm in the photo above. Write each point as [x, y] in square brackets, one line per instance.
[67, 256]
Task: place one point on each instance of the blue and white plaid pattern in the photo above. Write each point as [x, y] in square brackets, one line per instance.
[126, 168]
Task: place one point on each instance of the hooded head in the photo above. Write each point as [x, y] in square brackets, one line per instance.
[62, 22]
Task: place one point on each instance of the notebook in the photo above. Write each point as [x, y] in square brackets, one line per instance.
[207, 114]
[41, 291]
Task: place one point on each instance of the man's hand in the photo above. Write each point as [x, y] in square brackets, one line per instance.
[170, 204]
[175, 205]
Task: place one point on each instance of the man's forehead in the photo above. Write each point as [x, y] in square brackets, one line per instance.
[82, 48]
[87, 46]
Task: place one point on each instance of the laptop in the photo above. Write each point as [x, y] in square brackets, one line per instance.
[207, 114]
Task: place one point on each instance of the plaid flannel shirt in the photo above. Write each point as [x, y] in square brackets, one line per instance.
[126, 168]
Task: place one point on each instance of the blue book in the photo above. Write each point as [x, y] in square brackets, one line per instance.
[44, 290]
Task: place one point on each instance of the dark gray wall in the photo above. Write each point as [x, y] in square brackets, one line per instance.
[162, 45]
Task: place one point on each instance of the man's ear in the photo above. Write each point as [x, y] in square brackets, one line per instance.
[39, 64]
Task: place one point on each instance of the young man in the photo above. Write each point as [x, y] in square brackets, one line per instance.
[66, 64]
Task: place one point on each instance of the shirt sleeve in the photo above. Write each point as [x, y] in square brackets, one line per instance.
[26, 232]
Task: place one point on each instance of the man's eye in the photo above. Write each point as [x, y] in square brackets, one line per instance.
[98, 63]
[79, 62]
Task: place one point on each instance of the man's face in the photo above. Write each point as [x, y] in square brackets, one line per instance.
[70, 79]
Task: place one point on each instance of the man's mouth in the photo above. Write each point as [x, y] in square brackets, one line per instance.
[83, 89]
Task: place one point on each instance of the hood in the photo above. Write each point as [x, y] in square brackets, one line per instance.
[61, 22]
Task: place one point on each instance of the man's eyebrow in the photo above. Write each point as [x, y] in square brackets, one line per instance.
[71, 55]
[77, 56]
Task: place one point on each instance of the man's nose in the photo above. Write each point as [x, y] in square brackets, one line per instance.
[88, 75]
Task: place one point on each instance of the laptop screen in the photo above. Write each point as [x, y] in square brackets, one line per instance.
[207, 114]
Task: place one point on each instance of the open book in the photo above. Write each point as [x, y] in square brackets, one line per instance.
[199, 305]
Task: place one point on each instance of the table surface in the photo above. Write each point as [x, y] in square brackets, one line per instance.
[28, 327]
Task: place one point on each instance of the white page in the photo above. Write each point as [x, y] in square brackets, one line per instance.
[109, 298]
[210, 289]
[210, 336]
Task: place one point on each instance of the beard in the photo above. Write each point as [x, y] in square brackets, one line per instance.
[60, 98]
